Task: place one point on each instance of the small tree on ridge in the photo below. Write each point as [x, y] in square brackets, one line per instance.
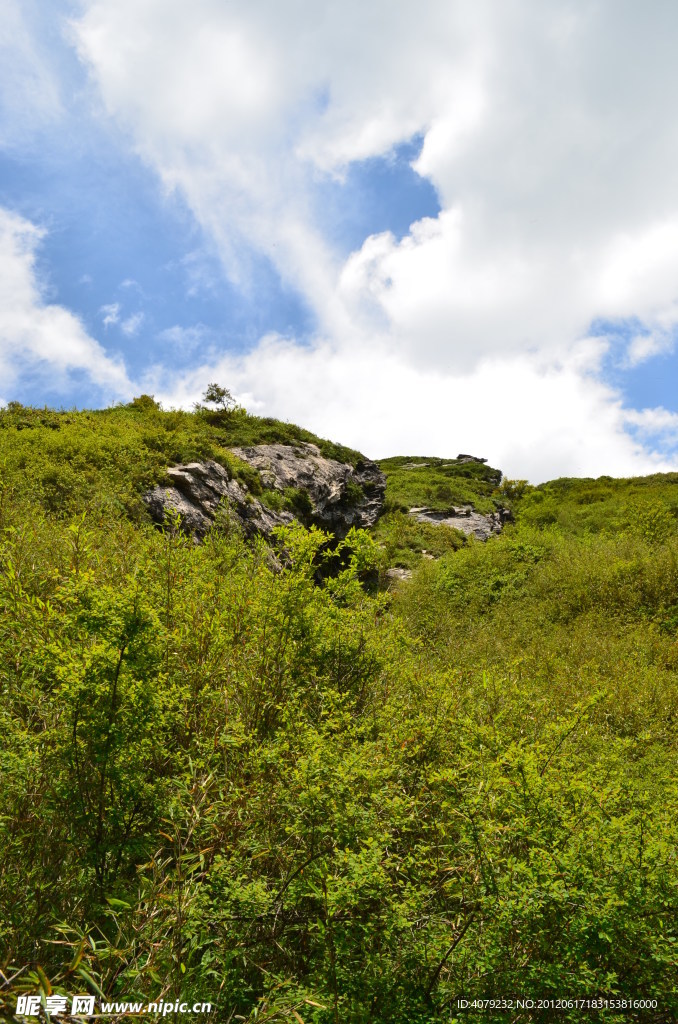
[221, 397]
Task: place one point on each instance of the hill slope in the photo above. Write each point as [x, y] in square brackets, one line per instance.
[233, 780]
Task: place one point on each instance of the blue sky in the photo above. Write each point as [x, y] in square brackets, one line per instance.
[413, 234]
[133, 264]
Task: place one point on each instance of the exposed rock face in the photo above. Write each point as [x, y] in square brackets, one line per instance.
[465, 519]
[398, 574]
[197, 489]
[334, 488]
[339, 496]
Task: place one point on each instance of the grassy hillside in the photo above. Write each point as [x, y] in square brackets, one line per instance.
[437, 484]
[222, 781]
[70, 461]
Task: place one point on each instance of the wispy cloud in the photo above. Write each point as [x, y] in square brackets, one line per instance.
[29, 98]
[645, 346]
[110, 313]
[186, 337]
[202, 273]
[131, 325]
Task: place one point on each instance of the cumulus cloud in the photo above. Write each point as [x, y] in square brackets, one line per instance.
[552, 149]
[37, 336]
[526, 418]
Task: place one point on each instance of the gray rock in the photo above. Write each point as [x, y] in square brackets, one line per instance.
[195, 494]
[466, 519]
[197, 489]
[335, 505]
[470, 458]
[396, 574]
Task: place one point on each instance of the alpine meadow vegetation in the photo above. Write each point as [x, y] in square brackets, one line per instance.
[229, 776]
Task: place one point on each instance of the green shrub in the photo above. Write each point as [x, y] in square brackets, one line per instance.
[298, 501]
[353, 494]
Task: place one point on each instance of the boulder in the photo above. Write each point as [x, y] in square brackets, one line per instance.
[336, 495]
[397, 574]
[466, 519]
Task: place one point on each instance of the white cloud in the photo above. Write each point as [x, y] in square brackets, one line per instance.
[201, 272]
[46, 339]
[556, 193]
[552, 148]
[645, 346]
[525, 418]
[110, 313]
[655, 426]
[653, 421]
[130, 284]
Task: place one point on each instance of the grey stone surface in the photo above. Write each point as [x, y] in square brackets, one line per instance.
[197, 488]
[196, 491]
[397, 574]
[302, 466]
[466, 519]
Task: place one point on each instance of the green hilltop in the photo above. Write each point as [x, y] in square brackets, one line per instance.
[72, 460]
[229, 777]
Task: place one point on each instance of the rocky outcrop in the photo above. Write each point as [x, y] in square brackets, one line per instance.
[341, 496]
[196, 491]
[397, 574]
[465, 519]
[329, 494]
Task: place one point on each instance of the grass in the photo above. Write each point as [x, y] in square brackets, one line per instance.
[434, 483]
[439, 483]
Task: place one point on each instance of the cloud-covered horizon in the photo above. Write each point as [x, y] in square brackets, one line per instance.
[514, 318]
